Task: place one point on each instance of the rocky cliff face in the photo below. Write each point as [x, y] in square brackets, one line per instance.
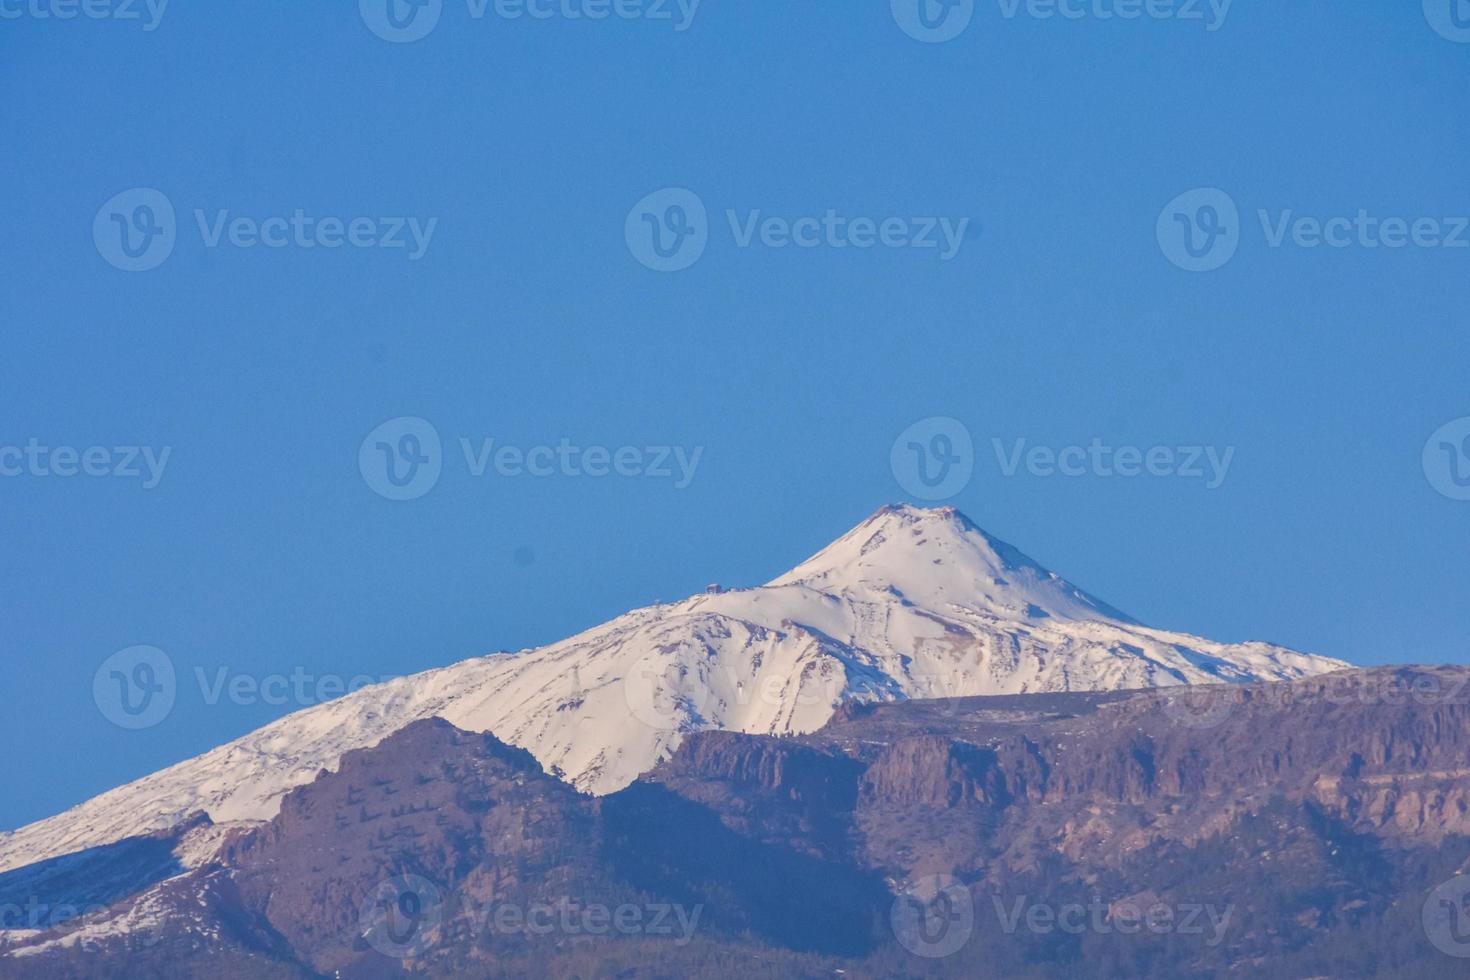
[1315, 828]
[447, 818]
[1323, 812]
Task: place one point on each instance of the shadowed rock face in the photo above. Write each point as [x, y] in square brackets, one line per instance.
[1281, 830]
[50, 892]
[475, 818]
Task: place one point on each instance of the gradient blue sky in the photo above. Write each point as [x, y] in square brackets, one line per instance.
[528, 320]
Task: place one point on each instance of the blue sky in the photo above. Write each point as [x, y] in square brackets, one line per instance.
[528, 318]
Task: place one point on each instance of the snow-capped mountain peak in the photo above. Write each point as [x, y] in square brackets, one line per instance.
[932, 557]
[911, 603]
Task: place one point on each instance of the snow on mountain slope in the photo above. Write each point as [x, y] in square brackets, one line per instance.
[911, 603]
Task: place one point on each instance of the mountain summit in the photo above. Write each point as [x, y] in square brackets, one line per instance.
[930, 557]
[912, 603]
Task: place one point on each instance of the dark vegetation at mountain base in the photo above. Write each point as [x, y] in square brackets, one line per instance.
[1285, 830]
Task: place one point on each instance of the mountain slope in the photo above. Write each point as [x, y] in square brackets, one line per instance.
[912, 603]
[1316, 828]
